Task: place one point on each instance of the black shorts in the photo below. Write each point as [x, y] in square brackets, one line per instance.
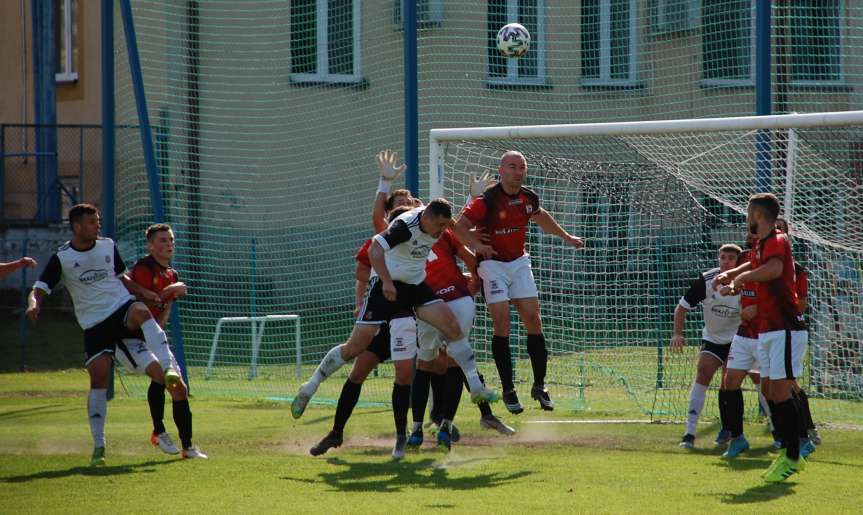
[716, 350]
[104, 336]
[378, 310]
[380, 346]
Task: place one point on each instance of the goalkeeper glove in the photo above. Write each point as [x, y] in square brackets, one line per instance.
[389, 171]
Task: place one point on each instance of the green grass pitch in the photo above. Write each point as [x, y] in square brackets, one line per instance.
[260, 463]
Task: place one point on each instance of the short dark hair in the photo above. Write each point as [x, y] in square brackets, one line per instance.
[730, 247]
[767, 202]
[440, 207]
[153, 229]
[784, 223]
[391, 199]
[79, 210]
[395, 213]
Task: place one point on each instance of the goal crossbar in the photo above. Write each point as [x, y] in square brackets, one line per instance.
[439, 137]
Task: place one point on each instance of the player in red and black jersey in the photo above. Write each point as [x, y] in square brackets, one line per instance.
[503, 212]
[781, 328]
[801, 278]
[155, 274]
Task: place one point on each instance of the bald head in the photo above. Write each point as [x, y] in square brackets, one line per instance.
[513, 171]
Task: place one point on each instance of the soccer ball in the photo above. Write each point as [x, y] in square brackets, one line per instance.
[513, 40]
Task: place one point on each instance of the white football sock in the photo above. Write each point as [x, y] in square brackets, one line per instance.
[331, 363]
[157, 342]
[97, 409]
[696, 404]
[461, 352]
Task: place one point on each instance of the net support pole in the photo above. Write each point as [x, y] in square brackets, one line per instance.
[409, 16]
[45, 100]
[763, 91]
[150, 161]
[108, 127]
[790, 165]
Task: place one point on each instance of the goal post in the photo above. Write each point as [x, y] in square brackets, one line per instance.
[654, 201]
[257, 325]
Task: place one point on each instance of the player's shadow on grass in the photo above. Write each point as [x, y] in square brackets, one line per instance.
[761, 493]
[110, 470]
[391, 476]
[37, 410]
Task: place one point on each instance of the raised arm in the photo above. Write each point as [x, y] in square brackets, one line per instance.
[549, 225]
[386, 160]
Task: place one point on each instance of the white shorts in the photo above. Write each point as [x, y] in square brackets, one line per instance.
[431, 340]
[743, 354]
[504, 281]
[781, 354]
[133, 354]
[403, 338]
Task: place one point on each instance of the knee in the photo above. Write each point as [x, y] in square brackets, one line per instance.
[704, 374]
[404, 375]
[179, 392]
[139, 313]
[533, 323]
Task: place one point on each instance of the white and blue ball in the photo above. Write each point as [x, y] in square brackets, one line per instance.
[513, 40]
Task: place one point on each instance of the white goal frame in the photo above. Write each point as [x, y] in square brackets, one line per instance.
[438, 138]
[258, 324]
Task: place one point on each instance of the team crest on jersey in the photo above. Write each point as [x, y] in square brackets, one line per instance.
[107, 259]
[368, 315]
[529, 209]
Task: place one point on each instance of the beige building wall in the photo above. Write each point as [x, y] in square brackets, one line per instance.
[79, 102]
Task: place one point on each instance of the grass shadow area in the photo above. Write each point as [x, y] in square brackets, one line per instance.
[110, 470]
[389, 476]
[761, 493]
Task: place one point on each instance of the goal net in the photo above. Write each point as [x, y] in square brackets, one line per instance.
[654, 201]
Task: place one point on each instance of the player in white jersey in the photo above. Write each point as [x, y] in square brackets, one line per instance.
[91, 269]
[398, 256]
[721, 319]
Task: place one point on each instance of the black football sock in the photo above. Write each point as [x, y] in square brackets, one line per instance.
[420, 395]
[723, 409]
[156, 400]
[454, 381]
[347, 401]
[777, 434]
[484, 407]
[503, 361]
[401, 400]
[735, 412]
[438, 389]
[538, 357]
[805, 411]
[789, 421]
[183, 419]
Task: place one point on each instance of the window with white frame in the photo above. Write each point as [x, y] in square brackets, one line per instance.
[325, 41]
[674, 15]
[728, 42]
[65, 39]
[529, 69]
[814, 28]
[609, 42]
[816, 40]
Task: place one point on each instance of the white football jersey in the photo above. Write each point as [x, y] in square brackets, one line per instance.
[721, 314]
[92, 277]
[407, 247]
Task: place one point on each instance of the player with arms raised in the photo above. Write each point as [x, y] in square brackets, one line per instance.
[782, 331]
[503, 212]
[91, 269]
